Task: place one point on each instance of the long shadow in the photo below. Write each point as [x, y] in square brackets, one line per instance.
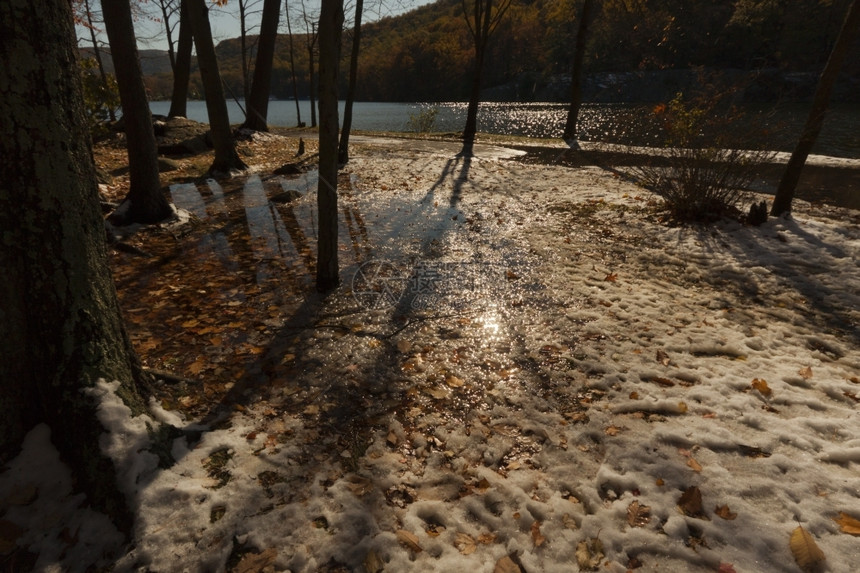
[828, 310]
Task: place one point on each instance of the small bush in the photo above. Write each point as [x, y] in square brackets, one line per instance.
[702, 174]
[99, 99]
[423, 121]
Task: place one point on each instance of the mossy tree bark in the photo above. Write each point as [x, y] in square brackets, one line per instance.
[145, 203]
[60, 320]
[331, 22]
[226, 158]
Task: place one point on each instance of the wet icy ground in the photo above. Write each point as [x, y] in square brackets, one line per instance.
[521, 360]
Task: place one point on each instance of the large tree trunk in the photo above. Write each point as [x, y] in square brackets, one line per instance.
[331, 21]
[182, 69]
[226, 158]
[59, 321]
[788, 183]
[576, 71]
[145, 203]
[258, 103]
[343, 147]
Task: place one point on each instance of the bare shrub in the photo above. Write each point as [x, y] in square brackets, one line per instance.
[703, 172]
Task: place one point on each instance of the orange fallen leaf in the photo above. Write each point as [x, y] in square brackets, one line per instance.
[762, 387]
[506, 565]
[805, 373]
[806, 552]
[694, 465]
[724, 512]
[537, 537]
[611, 277]
[848, 524]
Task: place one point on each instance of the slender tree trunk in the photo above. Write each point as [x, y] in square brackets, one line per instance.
[258, 102]
[246, 74]
[331, 22]
[97, 54]
[171, 48]
[311, 86]
[182, 69]
[788, 183]
[471, 128]
[145, 202]
[60, 320]
[226, 158]
[293, 68]
[576, 71]
[343, 148]
[482, 23]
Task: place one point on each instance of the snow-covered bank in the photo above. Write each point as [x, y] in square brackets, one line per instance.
[686, 396]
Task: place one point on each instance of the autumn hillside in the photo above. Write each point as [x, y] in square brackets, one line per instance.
[426, 54]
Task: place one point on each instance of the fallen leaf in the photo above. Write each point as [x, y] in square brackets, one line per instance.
[358, 485]
[589, 554]
[465, 544]
[372, 562]
[537, 536]
[663, 358]
[638, 515]
[805, 373]
[611, 277]
[434, 530]
[453, 381]
[726, 568]
[690, 503]
[696, 466]
[256, 562]
[661, 381]
[806, 552]
[487, 538]
[612, 431]
[724, 512]
[392, 438]
[762, 387]
[409, 539]
[848, 524]
[569, 522]
[506, 565]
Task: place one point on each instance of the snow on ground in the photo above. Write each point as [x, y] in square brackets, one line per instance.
[526, 362]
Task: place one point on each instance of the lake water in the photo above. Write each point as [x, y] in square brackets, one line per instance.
[608, 123]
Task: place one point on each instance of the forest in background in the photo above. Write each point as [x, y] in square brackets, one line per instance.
[427, 55]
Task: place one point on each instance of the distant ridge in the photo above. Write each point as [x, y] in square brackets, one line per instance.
[152, 62]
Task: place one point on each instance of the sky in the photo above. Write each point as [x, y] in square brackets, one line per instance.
[225, 20]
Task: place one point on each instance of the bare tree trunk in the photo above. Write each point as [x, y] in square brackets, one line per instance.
[226, 158]
[61, 325]
[258, 102]
[145, 202]
[182, 69]
[331, 22]
[97, 54]
[311, 87]
[482, 23]
[293, 67]
[788, 183]
[576, 71]
[343, 148]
